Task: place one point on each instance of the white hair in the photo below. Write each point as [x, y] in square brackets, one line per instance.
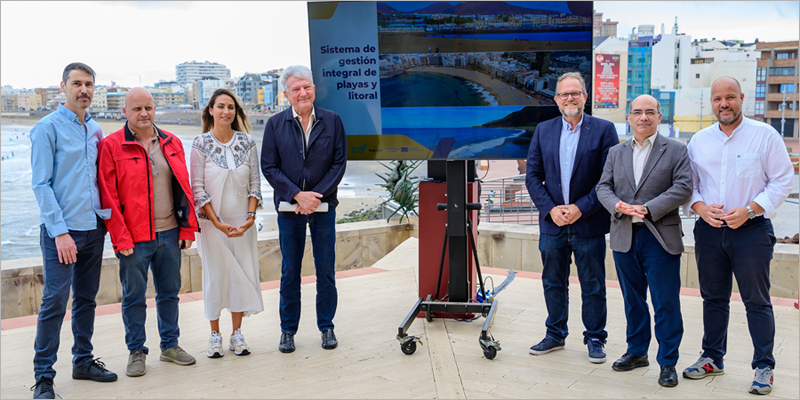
[297, 71]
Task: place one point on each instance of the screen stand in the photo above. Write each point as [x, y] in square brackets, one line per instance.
[457, 232]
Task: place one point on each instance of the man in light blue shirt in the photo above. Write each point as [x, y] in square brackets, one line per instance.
[64, 164]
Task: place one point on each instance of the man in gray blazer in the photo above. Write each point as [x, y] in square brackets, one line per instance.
[644, 182]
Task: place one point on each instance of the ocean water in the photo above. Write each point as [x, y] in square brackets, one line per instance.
[422, 89]
[571, 36]
[19, 212]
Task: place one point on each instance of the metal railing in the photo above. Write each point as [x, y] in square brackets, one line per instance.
[506, 200]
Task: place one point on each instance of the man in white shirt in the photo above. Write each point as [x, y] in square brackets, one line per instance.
[742, 173]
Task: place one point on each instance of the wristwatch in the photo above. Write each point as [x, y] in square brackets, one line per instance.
[750, 213]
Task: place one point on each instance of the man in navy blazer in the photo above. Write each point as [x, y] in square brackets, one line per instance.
[565, 162]
[304, 156]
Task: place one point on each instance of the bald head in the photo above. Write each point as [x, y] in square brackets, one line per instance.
[645, 116]
[138, 93]
[644, 102]
[140, 109]
[727, 80]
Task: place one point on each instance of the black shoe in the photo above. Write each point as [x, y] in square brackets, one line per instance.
[95, 370]
[43, 389]
[628, 362]
[287, 343]
[329, 341]
[668, 377]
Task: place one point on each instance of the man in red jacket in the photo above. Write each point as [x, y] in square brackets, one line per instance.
[144, 181]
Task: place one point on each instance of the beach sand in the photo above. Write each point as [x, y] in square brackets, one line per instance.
[417, 42]
[110, 126]
[505, 94]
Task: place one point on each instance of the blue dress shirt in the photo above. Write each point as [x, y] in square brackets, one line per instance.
[64, 165]
[568, 146]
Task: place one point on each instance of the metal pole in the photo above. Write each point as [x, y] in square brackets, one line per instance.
[783, 110]
[701, 110]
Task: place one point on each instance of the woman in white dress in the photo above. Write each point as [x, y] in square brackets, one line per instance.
[226, 182]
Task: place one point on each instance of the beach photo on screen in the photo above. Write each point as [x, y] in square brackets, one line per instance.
[483, 26]
[476, 79]
[468, 132]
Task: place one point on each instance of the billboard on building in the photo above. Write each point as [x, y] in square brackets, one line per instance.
[606, 89]
[435, 80]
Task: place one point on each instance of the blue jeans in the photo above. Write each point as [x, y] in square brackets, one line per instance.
[746, 253]
[84, 277]
[292, 234]
[645, 265]
[590, 256]
[163, 256]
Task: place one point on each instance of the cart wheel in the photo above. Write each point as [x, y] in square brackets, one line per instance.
[490, 353]
[428, 315]
[409, 347]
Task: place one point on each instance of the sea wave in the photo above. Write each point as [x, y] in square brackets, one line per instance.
[475, 149]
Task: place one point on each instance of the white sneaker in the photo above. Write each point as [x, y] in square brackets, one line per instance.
[215, 346]
[238, 346]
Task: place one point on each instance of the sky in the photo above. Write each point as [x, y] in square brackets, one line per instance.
[769, 21]
[133, 42]
[122, 41]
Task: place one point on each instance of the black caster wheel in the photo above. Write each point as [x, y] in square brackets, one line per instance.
[428, 313]
[490, 353]
[409, 347]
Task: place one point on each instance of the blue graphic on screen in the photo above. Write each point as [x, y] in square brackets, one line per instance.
[445, 80]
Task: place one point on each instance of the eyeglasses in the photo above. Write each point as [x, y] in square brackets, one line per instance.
[649, 112]
[564, 96]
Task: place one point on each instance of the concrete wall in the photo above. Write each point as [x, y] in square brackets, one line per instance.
[360, 245]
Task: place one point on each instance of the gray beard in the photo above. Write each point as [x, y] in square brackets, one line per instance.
[566, 113]
[731, 120]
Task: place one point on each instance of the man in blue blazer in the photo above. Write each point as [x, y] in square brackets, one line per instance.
[304, 156]
[565, 162]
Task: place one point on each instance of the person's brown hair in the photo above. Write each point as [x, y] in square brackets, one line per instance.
[240, 121]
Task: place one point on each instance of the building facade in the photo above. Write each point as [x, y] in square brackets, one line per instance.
[603, 28]
[206, 88]
[115, 101]
[189, 72]
[99, 100]
[776, 86]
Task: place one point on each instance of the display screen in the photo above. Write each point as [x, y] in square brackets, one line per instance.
[445, 80]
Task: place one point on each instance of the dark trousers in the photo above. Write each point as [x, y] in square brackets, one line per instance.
[645, 265]
[84, 278]
[590, 254]
[292, 236]
[746, 253]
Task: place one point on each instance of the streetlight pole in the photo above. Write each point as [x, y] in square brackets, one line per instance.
[701, 110]
[783, 110]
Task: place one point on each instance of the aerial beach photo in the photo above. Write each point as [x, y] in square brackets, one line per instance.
[468, 132]
[412, 27]
[476, 79]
